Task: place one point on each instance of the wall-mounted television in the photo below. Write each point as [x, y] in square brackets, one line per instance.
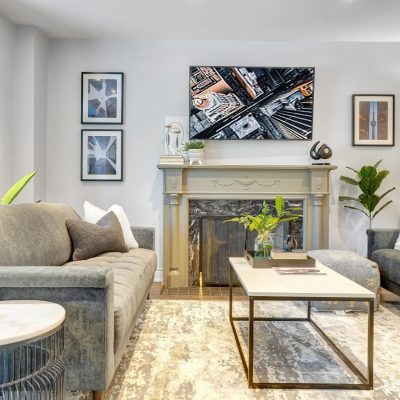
[239, 103]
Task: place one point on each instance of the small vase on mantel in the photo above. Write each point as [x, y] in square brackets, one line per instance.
[263, 246]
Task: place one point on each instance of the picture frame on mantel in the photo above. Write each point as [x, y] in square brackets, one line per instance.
[373, 120]
[102, 97]
[101, 155]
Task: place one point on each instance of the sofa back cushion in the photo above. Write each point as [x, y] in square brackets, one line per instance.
[35, 234]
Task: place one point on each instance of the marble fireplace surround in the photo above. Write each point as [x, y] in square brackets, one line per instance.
[183, 183]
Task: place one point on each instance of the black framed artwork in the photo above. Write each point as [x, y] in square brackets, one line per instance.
[373, 120]
[102, 97]
[101, 155]
[246, 103]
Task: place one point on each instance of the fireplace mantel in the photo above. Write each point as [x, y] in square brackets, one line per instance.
[218, 181]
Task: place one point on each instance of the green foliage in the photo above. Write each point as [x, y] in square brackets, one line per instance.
[14, 190]
[369, 180]
[195, 144]
[266, 222]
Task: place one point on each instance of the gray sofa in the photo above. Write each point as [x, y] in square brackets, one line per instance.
[103, 296]
[381, 250]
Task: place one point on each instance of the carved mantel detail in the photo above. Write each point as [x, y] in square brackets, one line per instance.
[246, 182]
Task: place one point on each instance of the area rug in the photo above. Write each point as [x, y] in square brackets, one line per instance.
[185, 349]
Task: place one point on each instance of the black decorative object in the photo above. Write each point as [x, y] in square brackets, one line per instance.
[323, 152]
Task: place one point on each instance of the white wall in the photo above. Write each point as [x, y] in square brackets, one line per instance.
[30, 111]
[157, 85]
[7, 56]
[23, 107]
[40, 114]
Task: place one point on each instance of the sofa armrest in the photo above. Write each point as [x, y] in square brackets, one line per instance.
[57, 277]
[144, 237]
[87, 294]
[381, 239]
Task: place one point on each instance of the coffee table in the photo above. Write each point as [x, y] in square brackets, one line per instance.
[267, 285]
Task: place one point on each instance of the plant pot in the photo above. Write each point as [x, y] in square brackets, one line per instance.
[196, 156]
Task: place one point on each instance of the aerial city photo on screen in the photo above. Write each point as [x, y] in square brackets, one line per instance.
[251, 103]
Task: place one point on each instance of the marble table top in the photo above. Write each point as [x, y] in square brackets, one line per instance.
[21, 320]
[267, 282]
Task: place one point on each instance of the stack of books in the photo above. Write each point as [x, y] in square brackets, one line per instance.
[177, 160]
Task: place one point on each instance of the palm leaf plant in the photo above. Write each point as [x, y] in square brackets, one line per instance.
[15, 189]
[368, 180]
[267, 221]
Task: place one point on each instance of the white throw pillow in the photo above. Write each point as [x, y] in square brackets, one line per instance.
[397, 244]
[93, 214]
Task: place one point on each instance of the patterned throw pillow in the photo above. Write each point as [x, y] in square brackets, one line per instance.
[90, 240]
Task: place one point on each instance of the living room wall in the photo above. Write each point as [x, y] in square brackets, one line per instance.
[23, 106]
[7, 45]
[157, 85]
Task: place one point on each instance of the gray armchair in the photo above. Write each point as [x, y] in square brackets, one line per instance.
[381, 250]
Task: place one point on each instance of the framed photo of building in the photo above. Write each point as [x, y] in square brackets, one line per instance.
[102, 97]
[373, 120]
[101, 155]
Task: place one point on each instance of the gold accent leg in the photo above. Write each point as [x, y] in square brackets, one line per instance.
[251, 340]
[99, 395]
[371, 343]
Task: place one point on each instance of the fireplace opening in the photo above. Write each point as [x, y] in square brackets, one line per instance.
[212, 240]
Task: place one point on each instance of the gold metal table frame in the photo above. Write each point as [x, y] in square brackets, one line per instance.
[366, 381]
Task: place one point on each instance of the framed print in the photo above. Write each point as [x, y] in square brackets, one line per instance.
[101, 155]
[102, 97]
[373, 120]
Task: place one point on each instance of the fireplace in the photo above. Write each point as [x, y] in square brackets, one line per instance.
[215, 191]
[212, 240]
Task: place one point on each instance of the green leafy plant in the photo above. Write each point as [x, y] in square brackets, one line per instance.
[368, 180]
[195, 144]
[266, 222]
[15, 189]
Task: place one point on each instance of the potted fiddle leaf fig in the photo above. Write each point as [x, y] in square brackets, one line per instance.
[368, 179]
[15, 189]
[266, 222]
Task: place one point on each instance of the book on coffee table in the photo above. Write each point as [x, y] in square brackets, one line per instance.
[297, 271]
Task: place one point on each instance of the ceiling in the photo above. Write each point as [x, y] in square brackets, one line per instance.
[298, 20]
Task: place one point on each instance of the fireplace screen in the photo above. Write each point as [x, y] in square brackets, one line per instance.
[212, 240]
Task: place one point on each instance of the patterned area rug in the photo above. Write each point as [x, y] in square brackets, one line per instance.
[185, 349]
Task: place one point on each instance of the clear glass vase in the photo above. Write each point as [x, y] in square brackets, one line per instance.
[263, 246]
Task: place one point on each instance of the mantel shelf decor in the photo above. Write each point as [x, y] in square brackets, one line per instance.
[185, 183]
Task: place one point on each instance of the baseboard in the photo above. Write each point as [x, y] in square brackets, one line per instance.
[158, 275]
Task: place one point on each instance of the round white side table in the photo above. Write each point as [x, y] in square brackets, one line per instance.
[31, 348]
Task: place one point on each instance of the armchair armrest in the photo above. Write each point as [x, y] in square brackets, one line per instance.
[87, 295]
[144, 237]
[381, 239]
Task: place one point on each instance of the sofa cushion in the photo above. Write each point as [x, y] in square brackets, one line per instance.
[90, 240]
[133, 274]
[389, 263]
[35, 234]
